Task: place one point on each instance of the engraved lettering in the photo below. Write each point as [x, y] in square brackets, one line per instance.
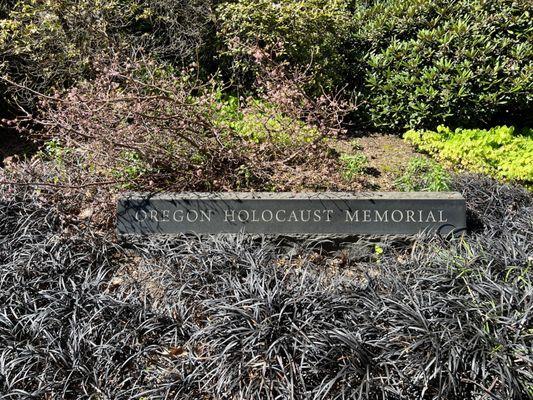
[397, 218]
[352, 217]
[270, 215]
[229, 215]
[192, 216]
[243, 215]
[430, 215]
[347, 213]
[206, 216]
[177, 215]
[305, 219]
[292, 217]
[278, 218]
[382, 217]
[137, 215]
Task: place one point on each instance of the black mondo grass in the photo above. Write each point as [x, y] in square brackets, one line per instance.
[62, 333]
[84, 316]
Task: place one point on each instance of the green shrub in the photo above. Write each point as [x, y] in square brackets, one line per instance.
[418, 64]
[129, 168]
[305, 32]
[48, 45]
[353, 165]
[423, 174]
[261, 122]
[501, 152]
[463, 63]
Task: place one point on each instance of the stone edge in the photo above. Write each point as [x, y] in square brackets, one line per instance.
[292, 196]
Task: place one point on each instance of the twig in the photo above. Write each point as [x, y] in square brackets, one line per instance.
[57, 185]
[30, 90]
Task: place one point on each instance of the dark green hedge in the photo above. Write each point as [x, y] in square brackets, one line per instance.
[417, 63]
[464, 63]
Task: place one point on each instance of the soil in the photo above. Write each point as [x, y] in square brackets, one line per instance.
[388, 157]
[318, 173]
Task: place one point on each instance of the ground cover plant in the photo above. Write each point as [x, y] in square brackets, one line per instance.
[424, 174]
[84, 316]
[503, 152]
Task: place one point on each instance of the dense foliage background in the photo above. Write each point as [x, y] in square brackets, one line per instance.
[414, 64]
[98, 76]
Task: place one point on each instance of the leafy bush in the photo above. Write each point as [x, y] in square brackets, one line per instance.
[463, 63]
[501, 152]
[178, 31]
[143, 124]
[417, 64]
[262, 122]
[424, 174]
[48, 45]
[307, 33]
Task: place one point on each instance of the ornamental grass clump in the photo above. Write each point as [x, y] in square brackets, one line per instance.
[439, 318]
[63, 331]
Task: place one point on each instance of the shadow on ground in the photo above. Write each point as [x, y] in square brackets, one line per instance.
[13, 144]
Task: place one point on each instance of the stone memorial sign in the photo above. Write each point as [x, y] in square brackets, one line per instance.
[335, 214]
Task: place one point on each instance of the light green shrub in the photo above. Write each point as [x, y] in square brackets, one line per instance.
[353, 165]
[501, 152]
[130, 167]
[261, 122]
